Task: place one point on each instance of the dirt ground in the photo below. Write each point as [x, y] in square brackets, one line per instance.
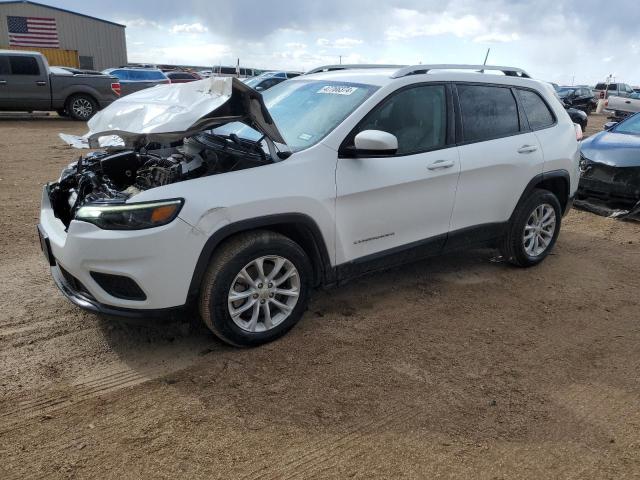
[456, 367]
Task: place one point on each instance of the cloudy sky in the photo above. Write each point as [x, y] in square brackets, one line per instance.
[555, 40]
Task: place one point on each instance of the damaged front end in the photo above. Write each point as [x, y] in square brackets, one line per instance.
[609, 190]
[160, 136]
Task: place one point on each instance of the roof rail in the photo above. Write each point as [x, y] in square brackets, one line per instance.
[421, 69]
[331, 68]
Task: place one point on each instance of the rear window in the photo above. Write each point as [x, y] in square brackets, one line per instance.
[487, 112]
[146, 75]
[21, 65]
[536, 110]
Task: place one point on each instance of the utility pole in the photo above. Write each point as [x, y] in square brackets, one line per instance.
[340, 59]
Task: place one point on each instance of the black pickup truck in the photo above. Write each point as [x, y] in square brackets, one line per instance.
[27, 83]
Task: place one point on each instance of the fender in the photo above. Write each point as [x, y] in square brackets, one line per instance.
[301, 223]
[544, 177]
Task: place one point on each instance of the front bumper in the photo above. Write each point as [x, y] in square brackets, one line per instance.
[159, 260]
[83, 299]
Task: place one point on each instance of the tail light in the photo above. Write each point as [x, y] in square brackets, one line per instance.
[606, 103]
[578, 130]
[116, 88]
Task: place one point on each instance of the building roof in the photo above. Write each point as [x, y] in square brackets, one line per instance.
[62, 10]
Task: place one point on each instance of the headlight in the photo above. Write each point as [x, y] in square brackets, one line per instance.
[130, 216]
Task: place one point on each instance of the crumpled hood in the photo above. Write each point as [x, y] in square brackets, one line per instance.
[167, 113]
[614, 149]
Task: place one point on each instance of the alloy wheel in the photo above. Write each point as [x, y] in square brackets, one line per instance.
[539, 230]
[264, 293]
[82, 107]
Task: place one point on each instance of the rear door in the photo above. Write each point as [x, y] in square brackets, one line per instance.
[499, 155]
[388, 203]
[28, 84]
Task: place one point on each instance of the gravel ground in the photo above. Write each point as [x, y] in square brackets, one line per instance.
[457, 367]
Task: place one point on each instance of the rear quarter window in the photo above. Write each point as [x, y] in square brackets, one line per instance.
[487, 112]
[536, 110]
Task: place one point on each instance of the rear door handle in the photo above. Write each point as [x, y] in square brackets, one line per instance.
[441, 164]
[527, 149]
[40, 83]
[628, 101]
[3, 82]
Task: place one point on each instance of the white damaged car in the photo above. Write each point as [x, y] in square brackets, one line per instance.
[207, 193]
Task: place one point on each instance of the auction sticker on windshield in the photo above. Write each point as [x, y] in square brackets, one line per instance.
[337, 90]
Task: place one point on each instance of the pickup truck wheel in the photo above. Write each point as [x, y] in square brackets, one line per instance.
[81, 107]
[256, 288]
[533, 229]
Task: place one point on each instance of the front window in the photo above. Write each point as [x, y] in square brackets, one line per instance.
[305, 111]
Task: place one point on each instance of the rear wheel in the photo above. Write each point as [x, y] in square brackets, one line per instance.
[533, 229]
[256, 288]
[81, 107]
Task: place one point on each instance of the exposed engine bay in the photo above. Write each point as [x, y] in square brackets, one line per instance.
[115, 176]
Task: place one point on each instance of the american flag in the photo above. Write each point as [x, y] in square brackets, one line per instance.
[33, 32]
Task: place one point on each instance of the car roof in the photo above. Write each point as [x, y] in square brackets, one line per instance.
[384, 76]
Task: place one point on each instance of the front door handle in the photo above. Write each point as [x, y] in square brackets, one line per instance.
[441, 164]
[527, 149]
[3, 82]
[41, 83]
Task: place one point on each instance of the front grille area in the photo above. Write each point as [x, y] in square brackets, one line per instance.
[615, 185]
[119, 286]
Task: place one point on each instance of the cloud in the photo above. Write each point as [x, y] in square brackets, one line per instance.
[189, 28]
[344, 42]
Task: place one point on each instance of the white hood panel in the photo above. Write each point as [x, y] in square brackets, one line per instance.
[171, 112]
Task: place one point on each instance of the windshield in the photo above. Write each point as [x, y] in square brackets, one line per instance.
[305, 111]
[564, 92]
[630, 126]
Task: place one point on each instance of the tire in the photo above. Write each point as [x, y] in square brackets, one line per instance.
[81, 107]
[224, 278]
[62, 112]
[514, 248]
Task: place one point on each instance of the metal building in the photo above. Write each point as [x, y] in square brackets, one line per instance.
[64, 37]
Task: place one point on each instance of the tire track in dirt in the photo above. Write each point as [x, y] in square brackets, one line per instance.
[318, 453]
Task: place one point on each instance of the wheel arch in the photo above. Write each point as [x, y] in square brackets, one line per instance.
[556, 181]
[299, 227]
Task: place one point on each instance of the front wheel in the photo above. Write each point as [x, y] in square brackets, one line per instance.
[533, 229]
[256, 288]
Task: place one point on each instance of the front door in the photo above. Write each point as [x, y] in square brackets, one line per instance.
[28, 85]
[388, 204]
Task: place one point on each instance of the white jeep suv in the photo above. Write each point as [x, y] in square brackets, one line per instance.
[209, 193]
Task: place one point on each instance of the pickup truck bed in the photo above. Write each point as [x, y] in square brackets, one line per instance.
[621, 107]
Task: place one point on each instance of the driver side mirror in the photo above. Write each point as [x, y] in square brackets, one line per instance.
[375, 142]
[609, 125]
